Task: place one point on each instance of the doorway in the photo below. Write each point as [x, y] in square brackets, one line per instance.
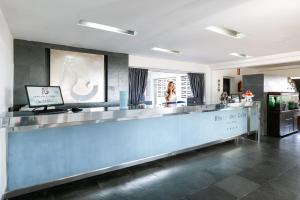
[226, 85]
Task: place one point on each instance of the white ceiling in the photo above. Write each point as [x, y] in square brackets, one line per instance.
[270, 26]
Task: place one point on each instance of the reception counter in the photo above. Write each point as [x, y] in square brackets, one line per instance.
[47, 150]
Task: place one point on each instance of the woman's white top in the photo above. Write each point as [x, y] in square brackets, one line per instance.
[173, 98]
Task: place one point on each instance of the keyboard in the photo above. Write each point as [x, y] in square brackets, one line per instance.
[50, 111]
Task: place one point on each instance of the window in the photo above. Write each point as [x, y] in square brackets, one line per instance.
[157, 86]
[185, 87]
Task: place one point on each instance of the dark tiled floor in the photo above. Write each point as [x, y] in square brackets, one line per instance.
[243, 170]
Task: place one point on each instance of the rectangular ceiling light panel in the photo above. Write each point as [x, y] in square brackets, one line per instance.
[165, 50]
[225, 31]
[106, 28]
[241, 55]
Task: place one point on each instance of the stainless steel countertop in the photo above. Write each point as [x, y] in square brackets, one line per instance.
[25, 121]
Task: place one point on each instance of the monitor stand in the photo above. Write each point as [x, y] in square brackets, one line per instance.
[45, 111]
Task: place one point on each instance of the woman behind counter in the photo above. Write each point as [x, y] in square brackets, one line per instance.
[171, 93]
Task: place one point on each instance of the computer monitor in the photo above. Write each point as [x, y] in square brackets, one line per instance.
[43, 96]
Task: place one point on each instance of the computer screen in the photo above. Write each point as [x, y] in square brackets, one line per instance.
[39, 96]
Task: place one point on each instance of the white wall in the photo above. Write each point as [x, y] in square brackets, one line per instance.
[219, 75]
[284, 70]
[174, 66]
[6, 87]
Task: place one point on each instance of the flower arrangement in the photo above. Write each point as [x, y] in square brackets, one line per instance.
[248, 96]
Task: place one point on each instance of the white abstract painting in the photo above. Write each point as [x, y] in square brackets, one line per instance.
[80, 75]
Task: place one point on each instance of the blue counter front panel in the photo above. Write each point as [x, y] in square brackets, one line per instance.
[45, 155]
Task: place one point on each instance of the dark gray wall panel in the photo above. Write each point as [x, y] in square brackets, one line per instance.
[255, 83]
[32, 67]
[117, 71]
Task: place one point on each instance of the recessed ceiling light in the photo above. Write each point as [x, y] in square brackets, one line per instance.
[241, 55]
[165, 50]
[225, 31]
[106, 28]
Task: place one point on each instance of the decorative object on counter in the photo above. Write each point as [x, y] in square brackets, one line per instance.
[224, 98]
[123, 100]
[248, 98]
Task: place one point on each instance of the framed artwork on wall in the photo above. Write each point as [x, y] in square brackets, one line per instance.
[80, 75]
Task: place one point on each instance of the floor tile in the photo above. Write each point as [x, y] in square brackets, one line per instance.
[267, 192]
[237, 186]
[211, 193]
[224, 169]
[289, 181]
[263, 172]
